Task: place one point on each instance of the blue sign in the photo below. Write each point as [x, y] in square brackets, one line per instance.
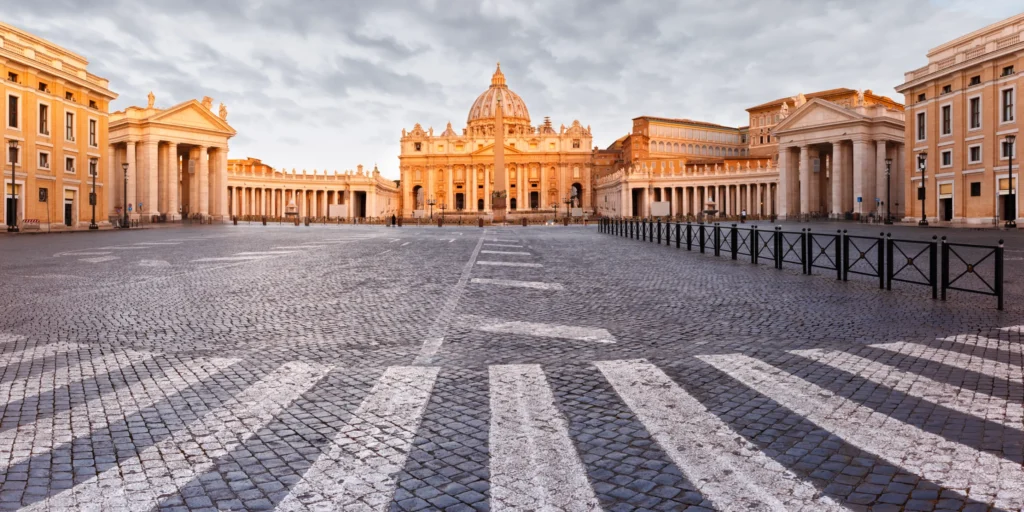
[860, 199]
[129, 207]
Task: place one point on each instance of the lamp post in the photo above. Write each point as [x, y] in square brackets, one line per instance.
[94, 170]
[922, 163]
[431, 203]
[124, 167]
[12, 217]
[1011, 221]
[888, 184]
[442, 207]
[567, 202]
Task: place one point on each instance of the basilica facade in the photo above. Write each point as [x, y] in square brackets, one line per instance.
[545, 167]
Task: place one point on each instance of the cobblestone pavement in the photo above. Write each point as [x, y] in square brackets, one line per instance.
[460, 369]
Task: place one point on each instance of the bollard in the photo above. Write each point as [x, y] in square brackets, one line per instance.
[524, 222]
[480, 222]
[264, 220]
[440, 222]
[399, 222]
[235, 219]
[565, 221]
[659, 231]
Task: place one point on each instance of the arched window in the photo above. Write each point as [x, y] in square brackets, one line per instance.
[654, 146]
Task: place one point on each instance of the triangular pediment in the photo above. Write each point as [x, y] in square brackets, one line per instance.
[489, 150]
[817, 112]
[192, 114]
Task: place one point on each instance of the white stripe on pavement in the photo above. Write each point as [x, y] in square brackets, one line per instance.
[58, 429]
[972, 340]
[572, 332]
[518, 284]
[512, 253]
[534, 465]
[356, 472]
[220, 431]
[958, 398]
[5, 338]
[264, 253]
[435, 334]
[230, 258]
[99, 259]
[104, 253]
[154, 263]
[501, 241]
[956, 359]
[86, 366]
[158, 243]
[508, 264]
[505, 245]
[11, 359]
[966, 469]
[292, 248]
[727, 469]
[1013, 328]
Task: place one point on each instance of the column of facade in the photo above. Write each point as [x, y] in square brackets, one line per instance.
[203, 171]
[172, 181]
[787, 183]
[161, 178]
[487, 186]
[836, 175]
[861, 169]
[222, 182]
[133, 173]
[881, 153]
[898, 182]
[805, 180]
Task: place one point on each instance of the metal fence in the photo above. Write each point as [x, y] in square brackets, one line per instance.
[937, 264]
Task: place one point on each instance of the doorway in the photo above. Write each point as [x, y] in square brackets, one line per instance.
[1009, 212]
[460, 201]
[68, 212]
[479, 205]
[534, 200]
[946, 208]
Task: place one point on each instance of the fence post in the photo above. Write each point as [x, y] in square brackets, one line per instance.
[689, 236]
[839, 255]
[700, 231]
[933, 263]
[755, 246]
[778, 247]
[881, 260]
[678, 229]
[717, 239]
[659, 232]
[888, 262]
[805, 234]
[846, 256]
[643, 232]
[735, 236]
[999, 275]
[945, 268]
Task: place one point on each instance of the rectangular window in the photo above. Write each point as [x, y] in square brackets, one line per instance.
[43, 87]
[1007, 105]
[12, 76]
[974, 113]
[92, 104]
[946, 89]
[69, 126]
[974, 154]
[947, 158]
[921, 97]
[70, 96]
[418, 146]
[920, 126]
[92, 133]
[69, 164]
[1008, 70]
[44, 160]
[575, 143]
[975, 189]
[44, 119]
[947, 119]
[976, 79]
[12, 111]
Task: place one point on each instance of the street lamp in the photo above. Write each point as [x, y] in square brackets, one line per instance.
[431, 203]
[12, 212]
[94, 170]
[888, 183]
[124, 167]
[442, 206]
[1011, 221]
[922, 162]
[567, 202]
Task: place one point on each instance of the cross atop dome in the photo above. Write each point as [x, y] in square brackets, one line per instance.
[498, 80]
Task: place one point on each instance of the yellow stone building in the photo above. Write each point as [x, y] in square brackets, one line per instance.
[56, 112]
[545, 166]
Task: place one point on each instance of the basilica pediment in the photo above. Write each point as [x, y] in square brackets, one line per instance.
[488, 150]
[192, 114]
[817, 112]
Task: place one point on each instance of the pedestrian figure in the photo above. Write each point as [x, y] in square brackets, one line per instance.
[394, 220]
[743, 216]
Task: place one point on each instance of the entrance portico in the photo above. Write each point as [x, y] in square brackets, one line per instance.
[177, 160]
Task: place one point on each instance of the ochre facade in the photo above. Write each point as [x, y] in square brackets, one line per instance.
[257, 189]
[545, 167]
[962, 106]
[57, 112]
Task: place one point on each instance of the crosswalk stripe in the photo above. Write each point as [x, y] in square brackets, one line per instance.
[510, 253]
[220, 431]
[957, 398]
[518, 284]
[508, 264]
[505, 245]
[904, 445]
[973, 340]
[534, 465]
[13, 358]
[158, 243]
[87, 367]
[572, 332]
[1013, 328]
[100, 259]
[733, 475]
[230, 258]
[499, 240]
[5, 338]
[55, 430]
[264, 253]
[352, 473]
[967, 362]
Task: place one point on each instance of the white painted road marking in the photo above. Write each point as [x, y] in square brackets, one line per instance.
[230, 258]
[958, 398]
[534, 465]
[508, 264]
[294, 248]
[158, 243]
[505, 241]
[512, 253]
[505, 245]
[972, 340]
[405, 244]
[100, 259]
[86, 368]
[264, 253]
[352, 474]
[572, 332]
[727, 469]
[435, 336]
[1013, 328]
[81, 254]
[57, 429]
[956, 359]
[966, 469]
[223, 431]
[154, 263]
[518, 284]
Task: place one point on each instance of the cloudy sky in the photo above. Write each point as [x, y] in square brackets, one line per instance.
[320, 84]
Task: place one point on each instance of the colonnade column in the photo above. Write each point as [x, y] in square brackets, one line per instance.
[786, 180]
[861, 161]
[878, 177]
[805, 180]
[222, 182]
[204, 181]
[837, 179]
[133, 173]
[172, 181]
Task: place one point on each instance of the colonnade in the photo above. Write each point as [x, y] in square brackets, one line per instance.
[275, 202]
[725, 199]
[167, 177]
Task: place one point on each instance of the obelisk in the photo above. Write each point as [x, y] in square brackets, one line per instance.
[500, 192]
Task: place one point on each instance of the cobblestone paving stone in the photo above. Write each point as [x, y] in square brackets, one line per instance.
[230, 368]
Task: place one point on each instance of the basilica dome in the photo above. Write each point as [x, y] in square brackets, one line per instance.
[485, 106]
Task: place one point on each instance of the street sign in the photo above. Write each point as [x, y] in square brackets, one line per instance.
[92, 199]
[129, 208]
[860, 199]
